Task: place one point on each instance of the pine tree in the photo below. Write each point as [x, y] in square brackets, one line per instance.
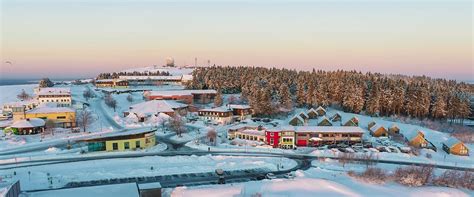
[285, 96]
[373, 103]
[218, 99]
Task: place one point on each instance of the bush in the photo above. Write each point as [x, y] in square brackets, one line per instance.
[456, 179]
[373, 175]
[414, 176]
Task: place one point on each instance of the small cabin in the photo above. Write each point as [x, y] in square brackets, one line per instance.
[416, 139]
[336, 117]
[324, 121]
[352, 122]
[394, 129]
[371, 124]
[312, 113]
[455, 147]
[378, 130]
[303, 115]
[296, 121]
[321, 111]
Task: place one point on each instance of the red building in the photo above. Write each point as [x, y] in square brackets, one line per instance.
[272, 138]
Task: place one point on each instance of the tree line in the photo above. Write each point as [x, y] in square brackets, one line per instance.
[271, 91]
[115, 75]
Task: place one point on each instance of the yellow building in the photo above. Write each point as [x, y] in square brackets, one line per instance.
[455, 147]
[122, 141]
[64, 117]
[378, 130]
[416, 139]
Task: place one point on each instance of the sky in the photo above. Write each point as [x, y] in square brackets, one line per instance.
[81, 38]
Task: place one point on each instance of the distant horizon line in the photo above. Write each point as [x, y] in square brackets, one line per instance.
[3, 78]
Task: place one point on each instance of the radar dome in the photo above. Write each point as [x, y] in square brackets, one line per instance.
[170, 62]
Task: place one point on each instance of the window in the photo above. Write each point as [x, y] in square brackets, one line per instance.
[126, 145]
[61, 117]
[114, 146]
[271, 141]
[271, 134]
[137, 144]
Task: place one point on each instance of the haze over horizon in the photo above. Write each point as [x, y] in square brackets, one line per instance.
[81, 38]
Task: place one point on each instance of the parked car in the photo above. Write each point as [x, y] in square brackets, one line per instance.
[260, 177]
[220, 174]
[271, 176]
[289, 175]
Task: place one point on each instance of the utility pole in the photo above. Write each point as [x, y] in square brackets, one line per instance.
[195, 61]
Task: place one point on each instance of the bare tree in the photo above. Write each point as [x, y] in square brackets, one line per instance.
[49, 126]
[130, 98]
[212, 136]
[177, 125]
[85, 118]
[23, 95]
[110, 101]
[88, 94]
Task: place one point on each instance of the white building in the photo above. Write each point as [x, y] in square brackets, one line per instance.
[59, 96]
[219, 115]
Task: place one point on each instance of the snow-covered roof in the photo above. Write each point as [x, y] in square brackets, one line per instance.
[328, 129]
[376, 127]
[315, 139]
[104, 80]
[394, 125]
[28, 123]
[217, 109]
[281, 128]
[20, 103]
[234, 106]
[320, 108]
[122, 133]
[242, 126]
[451, 142]
[253, 132]
[304, 113]
[45, 109]
[155, 106]
[151, 77]
[297, 116]
[178, 92]
[187, 78]
[53, 91]
[322, 118]
[412, 134]
[345, 119]
[312, 110]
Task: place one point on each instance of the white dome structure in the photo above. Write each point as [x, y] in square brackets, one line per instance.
[170, 62]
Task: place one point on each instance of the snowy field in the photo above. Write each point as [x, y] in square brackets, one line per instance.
[315, 182]
[8, 93]
[136, 167]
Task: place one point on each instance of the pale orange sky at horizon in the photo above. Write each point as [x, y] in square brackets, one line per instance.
[81, 38]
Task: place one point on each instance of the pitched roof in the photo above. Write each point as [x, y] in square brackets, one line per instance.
[312, 110]
[28, 123]
[411, 135]
[234, 106]
[451, 142]
[322, 118]
[297, 116]
[178, 92]
[217, 109]
[320, 108]
[155, 107]
[376, 127]
[304, 113]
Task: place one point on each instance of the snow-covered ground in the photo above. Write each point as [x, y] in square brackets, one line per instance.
[115, 190]
[315, 182]
[8, 93]
[136, 167]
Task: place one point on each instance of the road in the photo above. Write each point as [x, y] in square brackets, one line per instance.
[27, 163]
[191, 179]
